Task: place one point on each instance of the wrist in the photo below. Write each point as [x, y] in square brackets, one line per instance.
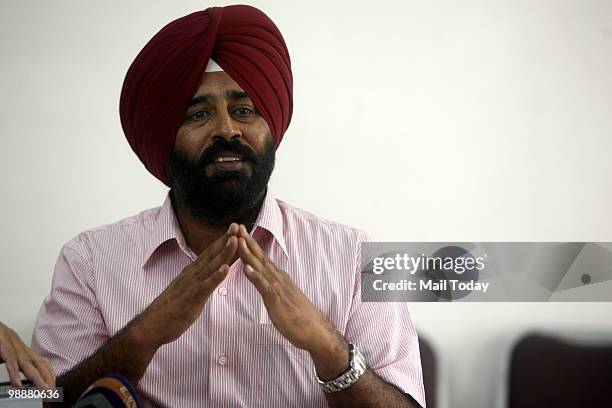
[331, 357]
[351, 376]
[139, 336]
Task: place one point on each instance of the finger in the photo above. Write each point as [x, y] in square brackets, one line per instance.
[51, 372]
[215, 279]
[31, 372]
[218, 268]
[263, 286]
[42, 366]
[9, 356]
[252, 244]
[219, 244]
[247, 256]
[268, 268]
[260, 263]
[227, 256]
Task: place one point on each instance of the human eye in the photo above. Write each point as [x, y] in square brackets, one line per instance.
[198, 115]
[244, 111]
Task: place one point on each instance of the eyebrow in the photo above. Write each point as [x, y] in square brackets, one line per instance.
[234, 95]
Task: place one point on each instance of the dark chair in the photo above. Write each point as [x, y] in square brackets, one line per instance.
[558, 371]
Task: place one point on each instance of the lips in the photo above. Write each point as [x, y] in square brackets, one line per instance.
[226, 157]
[228, 161]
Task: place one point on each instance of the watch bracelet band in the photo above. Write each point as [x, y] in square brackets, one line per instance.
[357, 367]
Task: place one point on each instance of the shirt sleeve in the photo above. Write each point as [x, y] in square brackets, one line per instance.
[385, 335]
[69, 326]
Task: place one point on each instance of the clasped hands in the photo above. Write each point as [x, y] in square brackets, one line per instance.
[290, 311]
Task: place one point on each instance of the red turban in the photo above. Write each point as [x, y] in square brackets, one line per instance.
[168, 70]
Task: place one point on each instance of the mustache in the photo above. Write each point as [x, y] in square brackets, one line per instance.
[222, 145]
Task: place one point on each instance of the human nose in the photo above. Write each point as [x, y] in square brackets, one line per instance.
[225, 127]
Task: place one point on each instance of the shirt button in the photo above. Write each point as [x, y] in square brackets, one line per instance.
[222, 360]
[222, 291]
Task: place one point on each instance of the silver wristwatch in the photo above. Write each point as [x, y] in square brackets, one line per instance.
[357, 366]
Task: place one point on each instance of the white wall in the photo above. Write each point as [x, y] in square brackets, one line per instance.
[448, 120]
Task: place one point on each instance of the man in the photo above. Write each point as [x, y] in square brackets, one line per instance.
[224, 296]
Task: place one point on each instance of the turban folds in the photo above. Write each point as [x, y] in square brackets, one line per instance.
[168, 70]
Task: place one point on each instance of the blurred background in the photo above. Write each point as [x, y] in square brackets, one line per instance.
[415, 121]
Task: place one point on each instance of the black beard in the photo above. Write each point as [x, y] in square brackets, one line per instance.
[227, 196]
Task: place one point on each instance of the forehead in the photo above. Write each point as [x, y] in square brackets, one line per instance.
[217, 83]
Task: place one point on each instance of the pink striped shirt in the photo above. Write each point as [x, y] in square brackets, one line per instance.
[232, 356]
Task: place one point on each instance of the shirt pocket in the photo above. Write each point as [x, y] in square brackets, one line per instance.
[283, 370]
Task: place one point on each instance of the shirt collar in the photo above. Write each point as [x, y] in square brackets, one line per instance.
[167, 227]
[270, 218]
